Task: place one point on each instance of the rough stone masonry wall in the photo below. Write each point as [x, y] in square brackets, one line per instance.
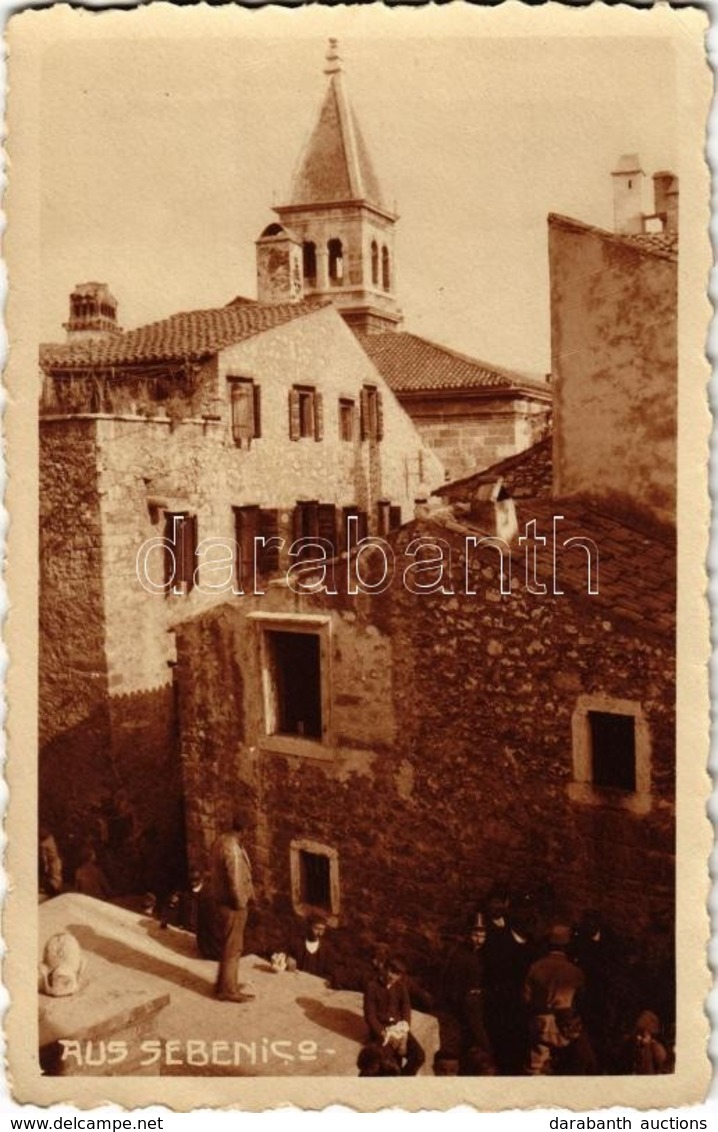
[73, 721]
[614, 361]
[467, 441]
[468, 783]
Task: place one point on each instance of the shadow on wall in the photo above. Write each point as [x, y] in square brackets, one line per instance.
[114, 781]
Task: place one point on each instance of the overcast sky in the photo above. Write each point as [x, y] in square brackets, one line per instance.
[161, 158]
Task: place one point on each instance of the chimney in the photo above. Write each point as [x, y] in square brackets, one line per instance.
[665, 195]
[93, 313]
[628, 178]
[493, 510]
[279, 266]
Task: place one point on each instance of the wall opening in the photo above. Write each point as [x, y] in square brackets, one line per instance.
[336, 261]
[613, 750]
[314, 872]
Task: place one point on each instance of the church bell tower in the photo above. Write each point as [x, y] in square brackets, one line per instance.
[336, 221]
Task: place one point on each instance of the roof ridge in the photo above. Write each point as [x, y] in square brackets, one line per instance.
[635, 240]
[192, 334]
[500, 370]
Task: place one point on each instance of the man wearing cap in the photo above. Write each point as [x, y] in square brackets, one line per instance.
[232, 890]
[558, 1042]
[387, 1012]
[463, 983]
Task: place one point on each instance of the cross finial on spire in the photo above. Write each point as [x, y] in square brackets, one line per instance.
[334, 63]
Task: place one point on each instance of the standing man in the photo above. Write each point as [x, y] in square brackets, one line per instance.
[558, 1041]
[231, 890]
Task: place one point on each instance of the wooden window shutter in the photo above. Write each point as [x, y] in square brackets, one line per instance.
[295, 420]
[379, 415]
[190, 549]
[184, 549]
[394, 516]
[327, 523]
[268, 556]
[298, 522]
[246, 521]
[170, 566]
[318, 416]
[242, 413]
[364, 424]
[257, 396]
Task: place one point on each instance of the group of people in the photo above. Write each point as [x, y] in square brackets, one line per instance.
[514, 996]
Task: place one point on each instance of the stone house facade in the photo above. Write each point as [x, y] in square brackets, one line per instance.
[163, 451]
[614, 310]
[472, 724]
[468, 729]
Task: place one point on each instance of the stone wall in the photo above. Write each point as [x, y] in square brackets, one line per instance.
[614, 361]
[106, 686]
[468, 436]
[452, 763]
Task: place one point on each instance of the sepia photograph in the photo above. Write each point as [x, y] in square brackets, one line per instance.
[360, 463]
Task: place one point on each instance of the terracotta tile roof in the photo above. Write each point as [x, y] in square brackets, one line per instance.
[664, 243]
[636, 570]
[528, 475]
[661, 244]
[411, 364]
[189, 336]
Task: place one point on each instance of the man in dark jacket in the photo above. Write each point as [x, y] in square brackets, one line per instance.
[232, 891]
[310, 951]
[387, 1011]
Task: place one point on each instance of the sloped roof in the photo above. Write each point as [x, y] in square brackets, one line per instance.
[335, 164]
[636, 569]
[661, 244]
[664, 243]
[410, 364]
[188, 336]
[636, 574]
[528, 475]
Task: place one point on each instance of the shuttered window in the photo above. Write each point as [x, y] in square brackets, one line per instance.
[245, 402]
[372, 413]
[181, 556]
[346, 419]
[362, 525]
[306, 413]
[251, 523]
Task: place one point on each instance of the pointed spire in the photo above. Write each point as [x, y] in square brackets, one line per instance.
[335, 165]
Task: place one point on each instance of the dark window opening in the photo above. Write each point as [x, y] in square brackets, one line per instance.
[297, 681]
[613, 750]
[336, 261]
[385, 269]
[309, 261]
[374, 263]
[314, 880]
